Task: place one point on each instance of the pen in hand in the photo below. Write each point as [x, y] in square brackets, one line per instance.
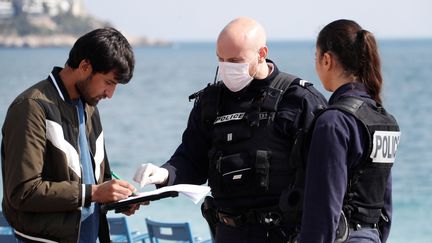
[115, 176]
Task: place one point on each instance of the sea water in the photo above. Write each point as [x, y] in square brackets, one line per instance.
[145, 119]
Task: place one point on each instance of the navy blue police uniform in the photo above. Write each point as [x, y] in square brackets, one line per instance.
[343, 174]
[241, 142]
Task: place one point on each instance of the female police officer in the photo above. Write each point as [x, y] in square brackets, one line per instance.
[353, 144]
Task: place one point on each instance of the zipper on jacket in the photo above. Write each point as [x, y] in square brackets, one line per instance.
[81, 179]
[92, 157]
[88, 143]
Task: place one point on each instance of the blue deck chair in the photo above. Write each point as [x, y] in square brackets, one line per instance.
[176, 232]
[119, 232]
[6, 231]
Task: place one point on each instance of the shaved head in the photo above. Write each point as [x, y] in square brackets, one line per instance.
[243, 33]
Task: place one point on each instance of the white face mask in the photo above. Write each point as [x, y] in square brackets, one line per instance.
[235, 76]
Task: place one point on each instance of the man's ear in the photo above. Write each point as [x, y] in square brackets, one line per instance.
[263, 51]
[85, 67]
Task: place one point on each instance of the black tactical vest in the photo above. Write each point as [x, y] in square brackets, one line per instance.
[364, 198]
[249, 156]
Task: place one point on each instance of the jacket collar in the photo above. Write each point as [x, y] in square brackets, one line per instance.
[261, 83]
[349, 89]
[58, 84]
[55, 78]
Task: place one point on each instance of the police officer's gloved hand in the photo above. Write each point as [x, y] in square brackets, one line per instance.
[150, 174]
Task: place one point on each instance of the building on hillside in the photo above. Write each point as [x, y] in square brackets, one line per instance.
[9, 8]
[6, 9]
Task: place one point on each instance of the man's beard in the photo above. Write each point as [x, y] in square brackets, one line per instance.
[82, 88]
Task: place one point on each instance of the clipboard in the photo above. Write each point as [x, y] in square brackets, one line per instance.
[125, 205]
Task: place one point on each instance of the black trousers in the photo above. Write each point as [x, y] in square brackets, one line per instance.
[251, 233]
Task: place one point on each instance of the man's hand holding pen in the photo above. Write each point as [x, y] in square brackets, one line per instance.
[111, 191]
[114, 190]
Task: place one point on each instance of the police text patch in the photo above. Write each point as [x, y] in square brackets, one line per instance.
[384, 148]
[230, 117]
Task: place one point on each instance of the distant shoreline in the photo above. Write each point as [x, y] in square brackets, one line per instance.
[64, 40]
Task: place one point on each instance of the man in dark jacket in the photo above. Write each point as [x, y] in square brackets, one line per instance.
[239, 137]
[54, 165]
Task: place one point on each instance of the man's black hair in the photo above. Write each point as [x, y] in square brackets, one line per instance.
[107, 50]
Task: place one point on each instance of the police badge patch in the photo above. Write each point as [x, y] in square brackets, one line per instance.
[384, 148]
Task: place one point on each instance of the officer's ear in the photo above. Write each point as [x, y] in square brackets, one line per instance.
[262, 52]
[327, 61]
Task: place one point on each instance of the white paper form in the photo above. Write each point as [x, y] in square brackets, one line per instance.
[194, 192]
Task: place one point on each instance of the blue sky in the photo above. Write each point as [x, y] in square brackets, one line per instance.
[202, 20]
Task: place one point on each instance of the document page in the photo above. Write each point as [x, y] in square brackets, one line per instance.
[194, 192]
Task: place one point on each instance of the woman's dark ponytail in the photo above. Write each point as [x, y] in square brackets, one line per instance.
[356, 50]
[369, 71]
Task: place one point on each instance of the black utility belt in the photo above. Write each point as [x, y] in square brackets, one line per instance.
[358, 226]
[269, 218]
